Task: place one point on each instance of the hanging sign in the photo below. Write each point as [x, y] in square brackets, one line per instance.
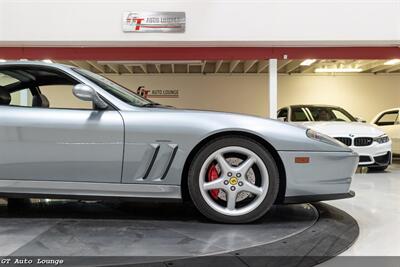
[164, 22]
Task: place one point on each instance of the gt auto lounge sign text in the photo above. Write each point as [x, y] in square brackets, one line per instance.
[164, 22]
[157, 93]
[168, 93]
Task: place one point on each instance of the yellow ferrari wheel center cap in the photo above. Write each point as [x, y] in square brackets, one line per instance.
[233, 181]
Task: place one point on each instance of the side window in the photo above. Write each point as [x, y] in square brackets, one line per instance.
[6, 80]
[61, 96]
[340, 116]
[47, 88]
[21, 98]
[283, 114]
[388, 118]
[298, 114]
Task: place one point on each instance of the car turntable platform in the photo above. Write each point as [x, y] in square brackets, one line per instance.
[170, 234]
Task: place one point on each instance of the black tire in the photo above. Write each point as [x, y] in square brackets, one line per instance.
[377, 169]
[17, 203]
[211, 147]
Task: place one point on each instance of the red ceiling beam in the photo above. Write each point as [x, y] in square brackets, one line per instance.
[197, 53]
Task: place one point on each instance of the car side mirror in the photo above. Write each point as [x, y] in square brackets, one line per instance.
[358, 119]
[86, 93]
[282, 119]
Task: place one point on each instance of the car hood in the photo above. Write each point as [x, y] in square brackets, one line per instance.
[196, 125]
[344, 128]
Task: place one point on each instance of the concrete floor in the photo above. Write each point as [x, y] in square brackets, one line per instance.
[376, 208]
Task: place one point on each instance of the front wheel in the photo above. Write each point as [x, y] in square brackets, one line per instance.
[233, 180]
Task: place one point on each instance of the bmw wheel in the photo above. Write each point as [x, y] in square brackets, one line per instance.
[233, 180]
[377, 169]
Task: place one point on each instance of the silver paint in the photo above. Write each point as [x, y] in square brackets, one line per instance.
[113, 147]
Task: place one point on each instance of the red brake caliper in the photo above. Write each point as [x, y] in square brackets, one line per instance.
[212, 175]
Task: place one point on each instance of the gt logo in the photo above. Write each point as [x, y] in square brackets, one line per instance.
[136, 22]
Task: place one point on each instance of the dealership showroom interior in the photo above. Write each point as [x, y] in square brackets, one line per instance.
[200, 133]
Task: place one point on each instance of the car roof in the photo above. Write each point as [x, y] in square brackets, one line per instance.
[390, 109]
[313, 105]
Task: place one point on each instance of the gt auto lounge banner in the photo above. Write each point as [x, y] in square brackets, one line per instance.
[162, 22]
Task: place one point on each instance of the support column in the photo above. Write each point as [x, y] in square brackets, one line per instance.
[273, 88]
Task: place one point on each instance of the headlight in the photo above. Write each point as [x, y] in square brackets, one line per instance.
[323, 138]
[382, 139]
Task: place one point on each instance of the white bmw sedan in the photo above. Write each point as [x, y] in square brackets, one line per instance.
[372, 144]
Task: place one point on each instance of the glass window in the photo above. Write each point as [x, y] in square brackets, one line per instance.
[41, 87]
[283, 114]
[21, 98]
[7, 79]
[388, 118]
[114, 89]
[330, 114]
[299, 114]
[340, 116]
[61, 96]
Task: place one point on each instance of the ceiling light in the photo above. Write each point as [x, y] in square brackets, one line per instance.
[3, 60]
[307, 62]
[392, 62]
[47, 61]
[338, 70]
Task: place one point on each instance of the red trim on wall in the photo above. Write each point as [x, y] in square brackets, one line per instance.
[197, 53]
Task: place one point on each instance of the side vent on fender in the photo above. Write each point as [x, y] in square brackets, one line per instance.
[153, 159]
[171, 159]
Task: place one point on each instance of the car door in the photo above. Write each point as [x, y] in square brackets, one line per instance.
[389, 123]
[74, 144]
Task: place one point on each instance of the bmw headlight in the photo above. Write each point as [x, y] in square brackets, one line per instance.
[382, 139]
[323, 138]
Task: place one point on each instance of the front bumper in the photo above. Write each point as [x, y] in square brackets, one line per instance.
[377, 161]
[374, 154]
[316, 198]
[328, 175]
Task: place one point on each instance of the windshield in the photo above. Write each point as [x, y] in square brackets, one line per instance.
[115, 89]
[312, 113]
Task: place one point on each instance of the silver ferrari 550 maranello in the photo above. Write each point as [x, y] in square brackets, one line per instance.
[66, 132]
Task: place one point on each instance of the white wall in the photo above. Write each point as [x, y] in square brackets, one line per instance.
[209, 22]
[361, 95]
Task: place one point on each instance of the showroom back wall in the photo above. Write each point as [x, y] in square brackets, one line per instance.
[233, 93]
[362, 95]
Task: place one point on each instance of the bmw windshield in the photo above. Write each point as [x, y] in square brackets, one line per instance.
[315, 113]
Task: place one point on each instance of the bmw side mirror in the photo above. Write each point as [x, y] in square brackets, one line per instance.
[358, 119]
[281, 118]
[86, 93]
